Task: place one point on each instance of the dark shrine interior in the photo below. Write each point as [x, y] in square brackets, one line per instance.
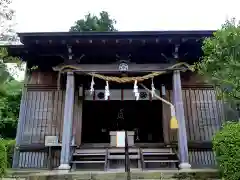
[101, 117]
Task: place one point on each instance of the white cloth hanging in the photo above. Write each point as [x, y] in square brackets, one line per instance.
[107, 92]
[153, 88]
[92, 86]
[135, 90]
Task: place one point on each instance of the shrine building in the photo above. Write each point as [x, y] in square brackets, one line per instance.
[83, 90]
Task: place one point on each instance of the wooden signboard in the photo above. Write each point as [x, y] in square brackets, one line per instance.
[51, 140]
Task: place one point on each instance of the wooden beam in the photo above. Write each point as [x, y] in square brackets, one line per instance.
[111, 68]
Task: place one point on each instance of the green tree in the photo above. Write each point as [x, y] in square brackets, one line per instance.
[7, 36]
[3, 159]
[10, 96]
[10, 89]
[6, 21]
[94, 23]
[221, 60]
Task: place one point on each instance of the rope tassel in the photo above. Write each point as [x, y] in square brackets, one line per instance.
[173, 121]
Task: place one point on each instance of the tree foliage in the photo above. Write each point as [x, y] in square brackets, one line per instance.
[3, 159]
[221, 60]
[10, 96]
[94, 23]
[6, 23]
[10, 89]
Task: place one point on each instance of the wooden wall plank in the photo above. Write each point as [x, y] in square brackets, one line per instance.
[202, 159]
[44, 116]
[32, 160]
[204, 114]
[166, 119]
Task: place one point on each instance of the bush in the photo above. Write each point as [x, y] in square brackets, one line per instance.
[226, 145]
[3, 159]
[10, 146]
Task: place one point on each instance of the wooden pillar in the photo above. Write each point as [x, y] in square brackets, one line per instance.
[182, 134]
[67, 124]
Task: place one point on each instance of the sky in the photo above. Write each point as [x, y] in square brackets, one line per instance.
[131, 15]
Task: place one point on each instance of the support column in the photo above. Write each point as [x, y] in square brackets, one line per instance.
[182, 134]
[67, 124]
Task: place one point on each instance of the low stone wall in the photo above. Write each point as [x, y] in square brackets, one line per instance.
[198, 174]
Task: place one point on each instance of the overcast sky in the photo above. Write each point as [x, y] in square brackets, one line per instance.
[131, 15]
[59, 15]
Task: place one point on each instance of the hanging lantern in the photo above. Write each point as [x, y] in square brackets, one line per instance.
[153, 88]
[92, 86]
[135, 90]
[107, 92]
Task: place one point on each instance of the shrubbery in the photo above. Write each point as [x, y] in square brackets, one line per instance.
[10, 146]
[226, 145]
[3, 158]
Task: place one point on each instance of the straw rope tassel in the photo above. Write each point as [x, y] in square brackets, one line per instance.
[173, 120]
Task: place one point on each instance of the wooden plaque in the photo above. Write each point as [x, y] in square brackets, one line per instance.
[51, 140]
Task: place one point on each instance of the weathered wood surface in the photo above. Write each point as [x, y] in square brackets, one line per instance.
[203, 112]
[166, 116]
[43, 116]
[49, 79]
[38, 77]
[110, 68]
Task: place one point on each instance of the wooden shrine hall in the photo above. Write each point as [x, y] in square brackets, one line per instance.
[83, 90]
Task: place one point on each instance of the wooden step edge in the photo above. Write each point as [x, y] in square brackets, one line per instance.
[155, 154]
[89, 154]
[123, 157]
[153, 161]
[87, 162]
